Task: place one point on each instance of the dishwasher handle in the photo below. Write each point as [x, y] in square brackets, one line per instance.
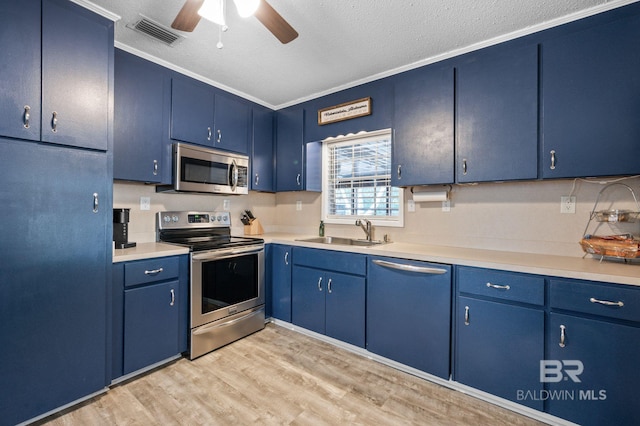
[409, 268]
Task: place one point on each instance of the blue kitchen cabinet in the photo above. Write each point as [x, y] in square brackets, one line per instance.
[289, 149]
[328, 293]
[20, 21]
[497, 114]
[597, 325]
[192, 106]
[281, 281]
[140, 97]
[232, 120]
[499, 341]
[57, 72]
[423, 127]
[262, 158]
[55, 250]
[409, 313]
[590, 108]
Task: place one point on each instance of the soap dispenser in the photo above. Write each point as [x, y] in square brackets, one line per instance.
[321, 229]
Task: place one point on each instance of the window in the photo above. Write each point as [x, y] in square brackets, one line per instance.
[356, 180]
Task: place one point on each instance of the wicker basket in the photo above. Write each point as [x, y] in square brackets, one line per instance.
[619, 246]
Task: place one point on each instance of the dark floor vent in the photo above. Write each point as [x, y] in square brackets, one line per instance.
[155, 30]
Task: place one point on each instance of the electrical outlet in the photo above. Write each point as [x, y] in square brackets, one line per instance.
[145, 203]
[226, 205]
[411, 206]
[446, 206]
[299, 205]
[568, 204]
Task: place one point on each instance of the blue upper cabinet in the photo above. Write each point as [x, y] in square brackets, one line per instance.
[290, 149]
[262, 150]
[55, 93]
[20, 100]
[139, 98]
[423, 127]
[232, 119]
[75, 80]
[192, 104]
[497, 114]
[590, 92]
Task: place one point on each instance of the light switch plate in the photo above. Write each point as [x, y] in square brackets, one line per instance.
[226, 205]
[298, 205]
[411, 206]
[145, 203]
[446, 206]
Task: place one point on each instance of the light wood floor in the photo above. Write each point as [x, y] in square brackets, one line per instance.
[281, 377]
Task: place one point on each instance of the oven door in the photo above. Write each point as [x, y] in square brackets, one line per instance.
[225, 282]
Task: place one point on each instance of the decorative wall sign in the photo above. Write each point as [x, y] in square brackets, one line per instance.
[346, 111]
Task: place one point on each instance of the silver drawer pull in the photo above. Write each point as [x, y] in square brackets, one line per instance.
[562, 336]
[155, 167]
[320, 284]
[27, 116]
[553, 159]
[54, 122]
[173, 297]
[499, 287]
[606, 302]
[409, 268]
[464, 166]
[466, 315]
[329, 285]
[153, 271]
[208, 133]
[286, 258]
[399, 171]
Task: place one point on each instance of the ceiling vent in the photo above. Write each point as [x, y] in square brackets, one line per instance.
[155, 30]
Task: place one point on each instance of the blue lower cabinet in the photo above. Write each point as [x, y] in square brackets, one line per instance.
[280, 282]
[308, 298]
[498, 349]
[409, 313]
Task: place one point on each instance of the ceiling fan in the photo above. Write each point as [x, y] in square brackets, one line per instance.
[190, 15]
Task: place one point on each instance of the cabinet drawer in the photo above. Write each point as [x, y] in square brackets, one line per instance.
[145, 271]
[338, 261]
[510, 286]
[609, 300]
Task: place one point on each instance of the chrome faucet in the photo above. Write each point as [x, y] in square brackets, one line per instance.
[366, 227]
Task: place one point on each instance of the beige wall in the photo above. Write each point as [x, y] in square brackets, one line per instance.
[512, 216]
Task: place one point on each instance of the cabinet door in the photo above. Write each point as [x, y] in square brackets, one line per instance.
[20, 72]
[590, 91]
[499, 348]
[345, 308]
[53, 276]
[423, 136]
[151, 316]
[607, 352]
[138, 128]
[77, 61]
[262, 163]
[233, 121]
[497, 112]
[307, 298]
[192, 106]
[281, 282]
[289, 150]
[409, 314]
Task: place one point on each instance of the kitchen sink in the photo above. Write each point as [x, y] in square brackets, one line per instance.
[342, 241]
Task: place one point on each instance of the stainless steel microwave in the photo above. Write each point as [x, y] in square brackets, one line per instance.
[205, 170]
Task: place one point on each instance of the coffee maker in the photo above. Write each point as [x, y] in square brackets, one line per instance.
[121, 229]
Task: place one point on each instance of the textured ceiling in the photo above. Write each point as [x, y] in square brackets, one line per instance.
[341, 42]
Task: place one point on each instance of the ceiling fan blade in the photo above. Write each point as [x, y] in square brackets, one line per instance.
[275, 23]
[188, 17]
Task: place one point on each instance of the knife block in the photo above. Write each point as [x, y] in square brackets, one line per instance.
[254, 228]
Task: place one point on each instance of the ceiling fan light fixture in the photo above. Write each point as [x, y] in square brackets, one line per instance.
[246, 8]
[213, 10]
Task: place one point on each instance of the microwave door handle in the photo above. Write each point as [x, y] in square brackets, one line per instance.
[234, 175]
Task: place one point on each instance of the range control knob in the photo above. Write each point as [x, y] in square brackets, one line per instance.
[219, 218]
[175, 218]
[166, 219]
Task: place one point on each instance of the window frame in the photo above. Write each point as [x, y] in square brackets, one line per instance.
[350, 220]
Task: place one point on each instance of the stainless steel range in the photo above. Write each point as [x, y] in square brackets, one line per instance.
[226, 278]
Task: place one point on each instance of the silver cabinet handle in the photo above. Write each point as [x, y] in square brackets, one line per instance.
[409, 268]
[286, 258]
[399, 171]
[499, 287]
[155, 167]
[320, 284]
[153, 271]
[562, 336]
[173, 298]
[27, 116]
[96, 202]
[257, 179]
[329, 286]
[553, 160]
[54, 122]
[298, 179]
[208, 133]
[466, 315]
[606, 302]
[464, 166]
[219, 139]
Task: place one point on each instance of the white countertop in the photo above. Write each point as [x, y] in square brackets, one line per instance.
[588, 268]
[147, 251]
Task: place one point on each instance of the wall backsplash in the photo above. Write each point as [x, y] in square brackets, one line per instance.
[511, 216]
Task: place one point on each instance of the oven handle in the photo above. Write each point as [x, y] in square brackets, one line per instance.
[208, 328]
[219, 254]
